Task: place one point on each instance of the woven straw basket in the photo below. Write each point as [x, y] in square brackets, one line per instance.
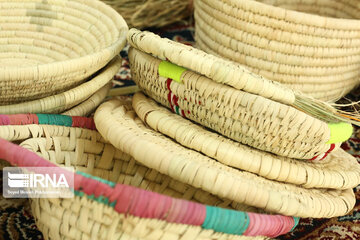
[151, 13]
[312, 46]
[99, 205]
[87, 94]
[252, 110]
[48, 47]
[117, 123]
[339, 171]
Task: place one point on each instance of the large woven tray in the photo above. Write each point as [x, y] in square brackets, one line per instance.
[118, 123]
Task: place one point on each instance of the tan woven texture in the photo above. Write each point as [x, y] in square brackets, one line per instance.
[217, 69]
[80, 218]
[312, 46]
[47, 47]
[119, 124]
[88, 106]
[251, 119]
[235, 75]
[339, 170]
[88, 94]
[151, 13]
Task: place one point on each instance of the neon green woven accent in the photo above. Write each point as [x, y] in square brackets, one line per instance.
[170, 70]
[339, 132]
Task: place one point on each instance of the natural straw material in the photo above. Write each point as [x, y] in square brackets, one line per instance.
[89, 105]
[99, 166]
[66, 100]
[235, 75]
[340, 170]
[118, 124]
[151, 13]
[23, 126]
[47, 47]
[242, 116]
[280, 40]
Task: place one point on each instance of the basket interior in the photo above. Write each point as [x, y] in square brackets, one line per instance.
[326, 8]
[39, 32]
[102, 160]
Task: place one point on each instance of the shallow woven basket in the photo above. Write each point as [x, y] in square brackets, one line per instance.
[151, 13]
[47, 47]
[117, 123]
[100, 204]
[251, 110]
[87, 94]
[339, 171]
[312, 46]
[89, 105]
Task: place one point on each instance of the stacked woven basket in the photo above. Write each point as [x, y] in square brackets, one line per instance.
[254, 158]
[312, 46]
[253, 155]
[57, 55]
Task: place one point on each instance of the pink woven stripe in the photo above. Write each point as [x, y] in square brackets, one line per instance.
[19, 119]
[4, 120]
[268, 225]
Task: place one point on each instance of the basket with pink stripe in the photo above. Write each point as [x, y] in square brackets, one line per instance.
[119, 198]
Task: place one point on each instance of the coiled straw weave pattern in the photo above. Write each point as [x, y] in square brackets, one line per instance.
[244, 117]
[47, 47]
[88, 152]
[91, 91]
[312, 46]
[118, 124]
[340, 170]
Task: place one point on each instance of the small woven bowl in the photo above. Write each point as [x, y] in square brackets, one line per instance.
[103, 208]
[252, 110]
[90, 92]
[311, 46]
[118, 123]
[47, 47]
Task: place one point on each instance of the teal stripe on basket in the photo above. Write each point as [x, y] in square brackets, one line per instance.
[222, 220]
[296, 220]
[111, 184]
[100, 199]
[51, 119]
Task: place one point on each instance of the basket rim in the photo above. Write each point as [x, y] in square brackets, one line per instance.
[116, 45]
[119, 125]
[109, 193]
[297, 16]
[92, 86]
[147, 108]
[219, 70]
